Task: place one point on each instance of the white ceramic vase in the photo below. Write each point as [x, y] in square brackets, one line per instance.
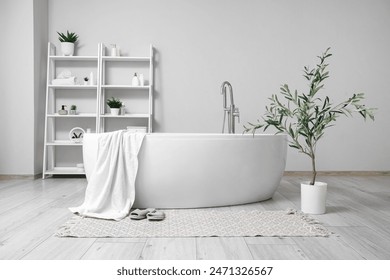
[115, 111]
[67, 48]
[313, 198]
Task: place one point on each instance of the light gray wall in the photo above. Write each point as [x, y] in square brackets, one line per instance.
[22, 85]
[256, 45]
[17, 88]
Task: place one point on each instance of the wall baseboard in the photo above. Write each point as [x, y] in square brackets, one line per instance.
[20, 177]
[286, 173]
[338, 173]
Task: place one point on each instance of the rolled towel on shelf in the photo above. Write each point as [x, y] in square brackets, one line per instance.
[62, 82]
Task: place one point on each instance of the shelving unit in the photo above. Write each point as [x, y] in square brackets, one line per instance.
[100, 62]
[52, 140]
[106, 85]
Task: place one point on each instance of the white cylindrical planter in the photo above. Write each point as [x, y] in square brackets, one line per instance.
[67, 48]
[313, 198]
[115, 111]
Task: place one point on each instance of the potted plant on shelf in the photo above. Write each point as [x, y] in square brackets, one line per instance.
[67, 42]
[73, 110]
[115, 105]
[304, 118]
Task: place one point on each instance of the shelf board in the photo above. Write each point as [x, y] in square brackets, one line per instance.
[65, 171]
[126, 58]
[126, 116]
[80, 115]
[72, 87]
[63, 143]
[74, 58]
[124, 86]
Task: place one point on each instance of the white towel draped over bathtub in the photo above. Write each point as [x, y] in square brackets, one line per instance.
[110, 191]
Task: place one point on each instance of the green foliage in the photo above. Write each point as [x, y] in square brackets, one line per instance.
[73, 107]
[305, 117]
[114, 103]
[69, 37]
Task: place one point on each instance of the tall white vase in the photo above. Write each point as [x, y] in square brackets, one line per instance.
[313, 198]
[67, 48]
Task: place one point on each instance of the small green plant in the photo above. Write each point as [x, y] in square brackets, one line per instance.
[69, 37]
[114, 103]
[86, 79]
[73, 107]
[304, 117]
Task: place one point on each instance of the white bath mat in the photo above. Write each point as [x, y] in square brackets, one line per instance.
[199, 222]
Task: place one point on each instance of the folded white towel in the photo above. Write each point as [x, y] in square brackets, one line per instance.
[62, 82]
[110, 192]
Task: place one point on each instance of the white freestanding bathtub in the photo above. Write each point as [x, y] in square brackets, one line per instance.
[203, 170]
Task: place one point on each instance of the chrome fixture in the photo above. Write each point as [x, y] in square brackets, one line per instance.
[232, 111]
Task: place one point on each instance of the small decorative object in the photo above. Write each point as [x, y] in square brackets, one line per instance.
[113, 50]
[89, 130]
[73, 110]
[304, 117]
[123, 110]
[67, 42]
[141, 80]
[115, 105]
[135, 80]
[63, 110]
[76, 134]
[86, 81]
[91, 79]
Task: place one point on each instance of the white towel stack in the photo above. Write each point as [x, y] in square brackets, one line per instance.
[64, 78]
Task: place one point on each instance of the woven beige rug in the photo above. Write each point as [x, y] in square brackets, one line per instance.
[199, 222]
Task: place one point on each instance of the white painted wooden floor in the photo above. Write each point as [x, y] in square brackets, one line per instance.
[358, 213]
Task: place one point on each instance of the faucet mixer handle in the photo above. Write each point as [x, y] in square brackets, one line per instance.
[236, 113]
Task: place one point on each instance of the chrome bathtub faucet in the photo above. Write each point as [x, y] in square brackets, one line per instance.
[232, 111]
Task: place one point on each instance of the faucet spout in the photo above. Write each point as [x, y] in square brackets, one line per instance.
[231, 111]
[223, 92]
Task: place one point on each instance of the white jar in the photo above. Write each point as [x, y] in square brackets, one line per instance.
[141, 80]
[135, 81]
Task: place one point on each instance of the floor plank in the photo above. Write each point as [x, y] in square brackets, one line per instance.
[19, 242]
[114, 251]
[367, 242]
[326, 248]
[55, 248]
[169, 249]
[222, 248]
[276, 252]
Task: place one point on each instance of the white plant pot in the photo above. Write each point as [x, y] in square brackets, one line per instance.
[313, 198]
[115, 111]
[67, 48]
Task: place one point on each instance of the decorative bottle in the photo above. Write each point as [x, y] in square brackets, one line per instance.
[135, 80]
[63, 110]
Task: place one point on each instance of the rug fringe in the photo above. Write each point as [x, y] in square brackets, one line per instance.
[66, 229]
[305, 217]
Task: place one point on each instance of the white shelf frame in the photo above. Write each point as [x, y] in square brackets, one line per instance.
[50, 143]
[65, 171]
[149, 88]
[124, 87]
[73, 87]
[100, 116]
[73, 58]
